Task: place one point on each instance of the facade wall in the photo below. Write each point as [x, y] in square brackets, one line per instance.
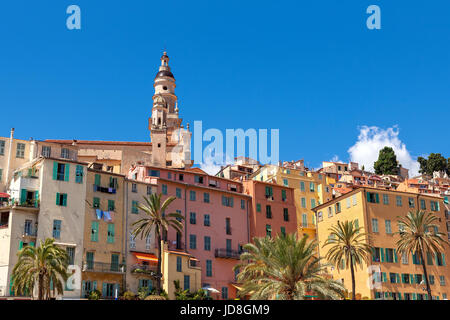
[365, 211]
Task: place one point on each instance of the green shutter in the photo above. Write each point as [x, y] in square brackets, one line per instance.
[20, 245]
[31, 244]
[384, 277]
[66, 172]
[55, 170]
[64, 200]
[377, 198]
[23, 196]
[395, 256]
[443, 259]
[382, 254]
[36, 199]
[57, 199]
[397, 276]
[97, 180]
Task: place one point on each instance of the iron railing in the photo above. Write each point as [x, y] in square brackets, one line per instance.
[92, 266]
[227, 253]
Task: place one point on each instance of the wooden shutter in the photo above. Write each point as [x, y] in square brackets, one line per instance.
[395, 256]
[55, 170]
[382, 254]
[23, 196]
[66, 172]
[57, 199]
[36, 199]
[64, 200]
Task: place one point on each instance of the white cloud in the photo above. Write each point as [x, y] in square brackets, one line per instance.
[211, 166]
[335, 159]
[372, 139]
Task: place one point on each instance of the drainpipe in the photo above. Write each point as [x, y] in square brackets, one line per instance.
[124, 251]
[8, 166]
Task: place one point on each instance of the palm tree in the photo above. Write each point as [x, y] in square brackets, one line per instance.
[157, 219]
[418, 235]
[348, 245]
[284, 268]
[40, 266]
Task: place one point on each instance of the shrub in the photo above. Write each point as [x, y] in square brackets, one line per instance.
[94, 295]
[128, 295]
[155, 297]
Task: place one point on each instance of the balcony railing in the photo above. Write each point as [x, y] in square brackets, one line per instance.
[29, 233]
[226, 253]
[175, 246]
[30, 203]
[145, 269]
[91, 266]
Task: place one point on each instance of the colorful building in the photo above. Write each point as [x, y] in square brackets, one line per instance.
[389, 274]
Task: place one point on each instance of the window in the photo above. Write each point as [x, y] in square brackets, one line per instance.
[96, 202]
[224, 292]
[111, 205]
[330, 212]
[20, 153]
[394, 277]
[153, 173]
[207, 243]
[56, 229]
[228, 225]
[94, 231]
[227, 201]
[149, 190]
[193, 218]
[258, 207]
[164, 189]
[374, 225]
[242, 204]
[434, 205]
[65, 153]
[313, 203]
[348, 202]
[388, 226]
[181, 177]
[311, 187]
[198, 179]
[285, 214]
[79, 174]
[46, 151]
[268, 212]
[268, 230]
[134, 207]
[404, 258]
[423, 205]
[338, 207]
[398, 200]
[206, 220]
[304, 220]
[71, 253]
[372, 197]
[385, 199]
[376, 254]
[390, 255]
[283, 195]
[285, 182]
[1, 174]
[303, 200]
[61, 199]
[179, 264]
[208, 268]
[302, 186]
[354, 200]
[114, 262]
[411, 202]
[442, 280]
[431, 279]
[440, 259]
[110, 237]
[319, 216]
[283, 231]
[134, 187]
[132, 240]
[405, 277]
[192, 241]
[206, 197]
[60, 171]
[90, 260]
[169, 174]
[192, 195]
[186, 282]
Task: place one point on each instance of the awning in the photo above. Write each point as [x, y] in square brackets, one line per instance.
[4, 195]
[145, 257]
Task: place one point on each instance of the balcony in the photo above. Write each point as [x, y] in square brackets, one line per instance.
[28, 203]
[104, 189]
[91, 266]
[178, 246]
[228, 254]
[144, 269]
[32, 233]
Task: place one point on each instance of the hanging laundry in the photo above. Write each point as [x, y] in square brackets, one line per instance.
[110, 190]
[99, 213]
[107, 216]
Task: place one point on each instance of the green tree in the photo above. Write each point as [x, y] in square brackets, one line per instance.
[42, 266]
[434, 162]
[418, 236]
[157, 219]
[387, 162]
[284, 268]
[347, 248]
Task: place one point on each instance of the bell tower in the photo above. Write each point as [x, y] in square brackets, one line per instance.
[166, 132]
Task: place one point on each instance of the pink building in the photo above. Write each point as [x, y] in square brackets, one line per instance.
[216, 222]
[272, 209]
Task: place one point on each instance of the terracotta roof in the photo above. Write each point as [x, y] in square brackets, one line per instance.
[196, 170]
[93, 142]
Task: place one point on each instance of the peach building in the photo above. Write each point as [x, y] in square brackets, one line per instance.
[272, 209]
[216, 222]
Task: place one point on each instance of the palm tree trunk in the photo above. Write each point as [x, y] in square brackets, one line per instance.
[353, 279]
[158, 269]
[41, 287]
[426, 276]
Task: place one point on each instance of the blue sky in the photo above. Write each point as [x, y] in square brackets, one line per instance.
[309, 68]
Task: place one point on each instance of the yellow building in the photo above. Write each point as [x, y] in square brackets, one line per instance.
[389, 274]
[181, 266]
[310, 190]
[103, 256]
